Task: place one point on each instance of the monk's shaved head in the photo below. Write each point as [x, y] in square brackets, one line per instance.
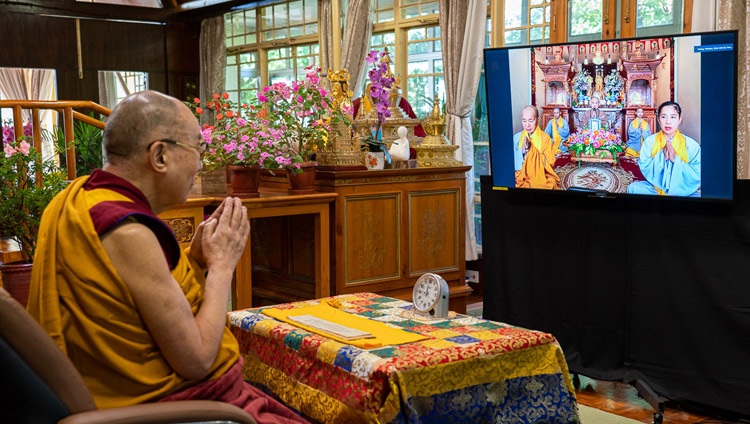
[136, 121]
[532, 108]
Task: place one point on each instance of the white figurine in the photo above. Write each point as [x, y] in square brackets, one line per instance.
[399, 149]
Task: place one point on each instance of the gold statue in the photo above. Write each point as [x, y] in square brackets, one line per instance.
[340, 92]
[434, 125]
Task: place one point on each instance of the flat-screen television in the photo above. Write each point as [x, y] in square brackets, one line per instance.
[649, 116]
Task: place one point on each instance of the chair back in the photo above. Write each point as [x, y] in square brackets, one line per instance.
[38, 383]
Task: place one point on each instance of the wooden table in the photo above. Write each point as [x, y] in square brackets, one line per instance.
[271, 203]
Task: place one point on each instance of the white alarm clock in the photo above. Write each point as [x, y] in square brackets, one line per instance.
[430, 296]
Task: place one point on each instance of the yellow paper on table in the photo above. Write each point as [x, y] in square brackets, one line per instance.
[382, 333]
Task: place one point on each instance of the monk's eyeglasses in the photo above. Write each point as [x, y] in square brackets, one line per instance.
[201, 148]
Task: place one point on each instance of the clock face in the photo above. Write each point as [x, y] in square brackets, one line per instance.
[426, 293]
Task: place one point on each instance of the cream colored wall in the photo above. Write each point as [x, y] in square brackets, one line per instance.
[687, 93]
[520, 87]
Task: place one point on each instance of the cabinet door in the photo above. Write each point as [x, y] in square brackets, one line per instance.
[434, 224]
[372, 238]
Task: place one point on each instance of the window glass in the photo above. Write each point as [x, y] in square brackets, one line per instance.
[526, 22]
[383, 11]
[584, 20]
[242, 76]
[658, 17]
[424, 69]
[416, 8]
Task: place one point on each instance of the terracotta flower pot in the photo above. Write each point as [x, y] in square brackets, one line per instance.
[244, 180]
[16, 278]
[302, 182]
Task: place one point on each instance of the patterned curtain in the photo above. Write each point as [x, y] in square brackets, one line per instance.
[735, 14]
[212, 59]
[326, 31]
[462, 28]
[354, 46]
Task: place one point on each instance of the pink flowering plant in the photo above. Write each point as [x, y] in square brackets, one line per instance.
[379, 90]
[28, 182]
[240, 135]
[299, 116]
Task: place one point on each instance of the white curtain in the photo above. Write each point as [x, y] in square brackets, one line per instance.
[356, 42]
[31, 84]
[462, 31]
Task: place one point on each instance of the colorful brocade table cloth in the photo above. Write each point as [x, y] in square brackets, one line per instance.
[466, 370]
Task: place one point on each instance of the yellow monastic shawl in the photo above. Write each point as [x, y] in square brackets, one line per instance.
[556, 123]
[537, 170]
[81, 301]
[638, 121]
[678, 142]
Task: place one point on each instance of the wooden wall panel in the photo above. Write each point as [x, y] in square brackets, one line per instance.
[168, 52]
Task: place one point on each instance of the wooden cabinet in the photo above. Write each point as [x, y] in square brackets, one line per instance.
[387, 228]
[392, 226]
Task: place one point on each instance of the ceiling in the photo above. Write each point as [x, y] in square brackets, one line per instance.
[137, 10]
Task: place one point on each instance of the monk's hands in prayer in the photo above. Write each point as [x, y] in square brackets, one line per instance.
[526, 145]
[196, 244]
[223, 235]
[669, 153]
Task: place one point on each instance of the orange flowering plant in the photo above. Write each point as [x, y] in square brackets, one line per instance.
[240, 135]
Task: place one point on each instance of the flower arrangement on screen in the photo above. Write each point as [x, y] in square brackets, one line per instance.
[596, 143]
[581, 87]
[613, 89]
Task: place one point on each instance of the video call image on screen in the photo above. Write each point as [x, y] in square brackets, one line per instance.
[648, 116]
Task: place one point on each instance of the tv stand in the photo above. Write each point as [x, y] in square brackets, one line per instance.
[649, 395]
[644, 391]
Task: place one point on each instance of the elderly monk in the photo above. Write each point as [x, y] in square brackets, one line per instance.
[534, 154]
[142, 320]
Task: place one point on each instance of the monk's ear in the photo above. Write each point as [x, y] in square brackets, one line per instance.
[157, 157]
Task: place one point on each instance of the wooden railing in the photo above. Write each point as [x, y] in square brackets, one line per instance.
[67, 108]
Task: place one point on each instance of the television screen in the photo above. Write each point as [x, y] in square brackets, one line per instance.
[645, 117]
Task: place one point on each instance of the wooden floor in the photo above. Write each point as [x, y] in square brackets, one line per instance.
[622, 399]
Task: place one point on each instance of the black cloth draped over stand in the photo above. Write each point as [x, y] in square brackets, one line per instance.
[652, 289]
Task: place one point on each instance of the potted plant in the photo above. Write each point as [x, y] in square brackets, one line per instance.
[28, 182]
[239, 140]
[300, 113]
[378, 90]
